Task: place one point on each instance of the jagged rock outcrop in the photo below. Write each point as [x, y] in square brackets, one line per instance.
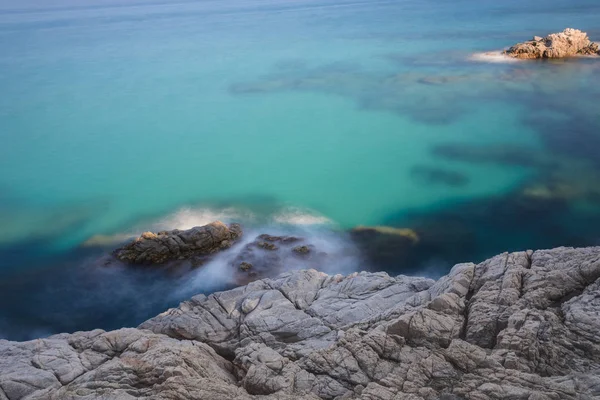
[523, 325]
[570, 42]
[158, 248]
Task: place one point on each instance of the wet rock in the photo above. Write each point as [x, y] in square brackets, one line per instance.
[269, 255]
[569, 43]
[158, 248]
[266, 245]
[278, 239]
[301, 250]
[591, 50]
[245, 266]
[520, 325]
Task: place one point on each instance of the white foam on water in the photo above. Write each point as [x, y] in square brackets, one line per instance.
[188, 217]
[496, 57]
[342, 257]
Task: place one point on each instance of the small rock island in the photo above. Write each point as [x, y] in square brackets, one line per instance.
[569, 43]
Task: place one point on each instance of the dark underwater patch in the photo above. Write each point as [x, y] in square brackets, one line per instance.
[476, 229]
[436, 175]
[79, 293]
[504, 154]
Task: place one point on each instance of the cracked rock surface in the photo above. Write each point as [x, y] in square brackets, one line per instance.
[523, 325]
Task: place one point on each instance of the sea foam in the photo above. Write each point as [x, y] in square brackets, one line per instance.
[492, 57]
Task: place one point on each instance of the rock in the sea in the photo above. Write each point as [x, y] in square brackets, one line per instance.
[270, 255]
[519, 326]
[245, 266]
[158, 248]
[570, 42]
[387, 247]
[592, 49]
[406, 233]
[301, 250]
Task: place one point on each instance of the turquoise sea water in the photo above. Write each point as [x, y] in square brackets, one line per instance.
[122, 116]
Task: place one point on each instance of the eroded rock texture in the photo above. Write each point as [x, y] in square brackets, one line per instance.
[568, 43]
[518, 326]
[158, 248]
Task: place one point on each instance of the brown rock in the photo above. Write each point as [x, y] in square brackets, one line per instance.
[301, 250]
[245, 266]
[158, 248]
[568, 43]
[267, 246]
[592, 49]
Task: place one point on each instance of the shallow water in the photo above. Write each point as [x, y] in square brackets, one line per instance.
[122, 116]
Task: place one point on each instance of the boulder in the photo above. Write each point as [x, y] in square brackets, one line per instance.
[158, 248]
[569, 43]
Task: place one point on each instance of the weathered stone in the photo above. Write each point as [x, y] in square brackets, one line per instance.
[158, 248]
[522, 325]
[568, 43]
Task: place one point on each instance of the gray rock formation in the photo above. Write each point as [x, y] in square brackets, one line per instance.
[568, 43]
[158, 248]
[518, 326]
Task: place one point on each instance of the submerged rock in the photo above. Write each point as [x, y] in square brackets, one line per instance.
[264, 256]
[158, 248]
[404, 233]
[245, 266]
[388, 247]
[269, 255]
[301, 250]
[569, 43]
[518, 326]
[432, 244]
[107, 240]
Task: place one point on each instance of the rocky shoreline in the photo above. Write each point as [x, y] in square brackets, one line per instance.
[518, 326]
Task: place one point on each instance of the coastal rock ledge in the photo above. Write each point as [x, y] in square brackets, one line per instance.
[522, 325]
[569, 43]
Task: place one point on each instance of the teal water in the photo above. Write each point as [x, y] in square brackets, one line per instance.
[121, 116]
